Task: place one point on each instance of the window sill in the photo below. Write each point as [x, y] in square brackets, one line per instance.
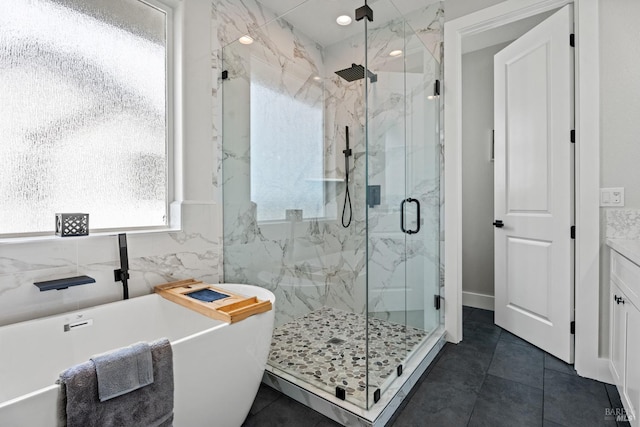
[50, 237]
[267, 222]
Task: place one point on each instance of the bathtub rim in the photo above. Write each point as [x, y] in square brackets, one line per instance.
[55, 387]
[270, 296]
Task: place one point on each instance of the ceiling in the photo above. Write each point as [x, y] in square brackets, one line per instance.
[317, 18]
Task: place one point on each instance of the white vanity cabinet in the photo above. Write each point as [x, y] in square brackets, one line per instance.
[624, 351]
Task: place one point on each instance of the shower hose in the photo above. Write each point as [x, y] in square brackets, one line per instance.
[347, 197]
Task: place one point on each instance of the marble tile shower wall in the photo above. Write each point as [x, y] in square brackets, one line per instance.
[154, 259]
[316, 262]
[298, 261]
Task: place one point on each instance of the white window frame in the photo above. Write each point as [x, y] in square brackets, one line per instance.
[173, 145]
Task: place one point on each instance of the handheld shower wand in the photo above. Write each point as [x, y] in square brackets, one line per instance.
[347, 197]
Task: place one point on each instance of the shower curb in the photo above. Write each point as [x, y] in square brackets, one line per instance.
[347, 413]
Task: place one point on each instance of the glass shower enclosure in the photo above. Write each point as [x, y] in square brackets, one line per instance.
[331, 191]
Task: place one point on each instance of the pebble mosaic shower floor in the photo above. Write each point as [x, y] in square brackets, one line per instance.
[327, 348]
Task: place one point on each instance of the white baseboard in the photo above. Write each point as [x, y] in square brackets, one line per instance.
[471, 299]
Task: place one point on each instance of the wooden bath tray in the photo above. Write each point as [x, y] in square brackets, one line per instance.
[230, 307]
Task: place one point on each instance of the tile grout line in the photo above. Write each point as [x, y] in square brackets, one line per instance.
[270, 403]
[544, 371]
[424, 377]
[484, 378]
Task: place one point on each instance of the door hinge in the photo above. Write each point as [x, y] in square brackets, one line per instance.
[436, 88]
[225, 75]
[436, 302]
[573, 327]
[573, 231]
[573, 135]
[572, 40]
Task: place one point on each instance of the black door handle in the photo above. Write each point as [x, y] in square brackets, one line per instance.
[498, 223]
[410, 200]
[402, 216]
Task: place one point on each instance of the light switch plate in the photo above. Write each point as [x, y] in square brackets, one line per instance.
[612, 196]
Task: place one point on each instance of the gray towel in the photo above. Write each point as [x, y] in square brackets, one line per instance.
[124, 370]
[79, 404]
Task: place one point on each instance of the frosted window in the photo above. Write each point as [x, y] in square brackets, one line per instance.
[82, 113]
[286, 149]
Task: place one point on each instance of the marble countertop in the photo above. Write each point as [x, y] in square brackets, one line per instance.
[627, 248]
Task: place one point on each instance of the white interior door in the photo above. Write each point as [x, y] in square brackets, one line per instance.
[533, 116]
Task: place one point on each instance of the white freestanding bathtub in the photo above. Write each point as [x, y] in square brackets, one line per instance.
[217, 366]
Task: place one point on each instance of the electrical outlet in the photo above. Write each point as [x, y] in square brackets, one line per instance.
[612, 196]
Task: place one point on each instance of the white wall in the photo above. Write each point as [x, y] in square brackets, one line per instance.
[619, 127]
[154, 257]
[200, 155]
[457, 8]
[477, 174]
[620, 97]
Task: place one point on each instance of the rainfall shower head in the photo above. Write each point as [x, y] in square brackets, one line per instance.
[356, 72]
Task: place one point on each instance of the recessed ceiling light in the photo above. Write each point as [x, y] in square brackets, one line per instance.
[317, 78]
[395, 53]
[245, 40]
[343, 20]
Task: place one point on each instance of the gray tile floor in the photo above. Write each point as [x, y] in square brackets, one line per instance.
[492, 378]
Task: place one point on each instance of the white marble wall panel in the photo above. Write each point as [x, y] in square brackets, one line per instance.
[317, 262]
[155, 258]
[427, 22]
[298, 261]
[622, 223]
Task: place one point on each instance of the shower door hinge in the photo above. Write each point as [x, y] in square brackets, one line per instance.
[572, 40]
[573, 327]
[341, 393]
[436, 301]
[225, 75]
[573, 135]
[376, 395]
[399, 370]
[573, 231]
[364, 11]
[436, 88]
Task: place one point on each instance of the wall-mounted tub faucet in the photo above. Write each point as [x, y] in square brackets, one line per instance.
[122, 274]
[60, 284]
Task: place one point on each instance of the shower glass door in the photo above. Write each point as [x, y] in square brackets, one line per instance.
[293, 218]
[320, 223]
[402, 209]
